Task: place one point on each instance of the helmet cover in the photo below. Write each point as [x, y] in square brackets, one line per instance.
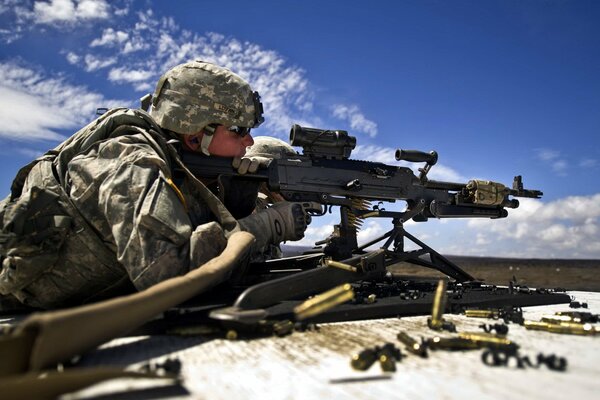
[193, 95]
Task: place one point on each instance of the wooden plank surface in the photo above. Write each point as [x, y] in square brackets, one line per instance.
[316, 364]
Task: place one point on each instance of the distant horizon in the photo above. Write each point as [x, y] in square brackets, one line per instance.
[295, 250]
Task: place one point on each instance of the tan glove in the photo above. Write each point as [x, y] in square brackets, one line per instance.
[250, 164]
[280, 222]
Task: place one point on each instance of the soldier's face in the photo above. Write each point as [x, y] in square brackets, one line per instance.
[224, 144]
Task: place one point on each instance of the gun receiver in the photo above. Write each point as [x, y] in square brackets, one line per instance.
[324, 173]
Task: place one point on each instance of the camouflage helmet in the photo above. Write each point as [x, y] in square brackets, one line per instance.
[270, 147]
[191, 96]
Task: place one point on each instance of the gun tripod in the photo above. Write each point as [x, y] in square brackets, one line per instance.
[359, 266]
[437, 261]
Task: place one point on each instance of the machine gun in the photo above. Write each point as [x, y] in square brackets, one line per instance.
[324, 173]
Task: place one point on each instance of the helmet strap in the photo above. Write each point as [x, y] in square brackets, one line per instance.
[209, 132]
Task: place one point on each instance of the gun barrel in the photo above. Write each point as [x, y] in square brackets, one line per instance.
[451, 186]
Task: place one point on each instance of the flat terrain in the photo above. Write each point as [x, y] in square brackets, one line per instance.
[569, 274]
[581, 275]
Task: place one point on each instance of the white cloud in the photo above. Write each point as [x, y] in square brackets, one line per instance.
[69, 11]
[378, 153]
[73, 58]
[561, 164]
[148, 47]
[34, 106]
[547, 154]
[560, 167]
[93, 63]
[568, 227]
[387, 155]
[356, 119]
[160, 44]
[59, 14]
[564, 228]
[588, 163]
[110, 38]
[125, 75]
[319, 229]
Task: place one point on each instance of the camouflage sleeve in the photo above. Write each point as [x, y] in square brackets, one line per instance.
[120, 185]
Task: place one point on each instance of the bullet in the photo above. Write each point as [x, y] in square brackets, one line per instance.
[324, 301]
[481, 314]
[569, 328]
[340, 265]
[387, 363]
[231, 335]
[363, 360]
[454, 343]
[489, 340]
[412, 345]
[439, 305]
[558, 319]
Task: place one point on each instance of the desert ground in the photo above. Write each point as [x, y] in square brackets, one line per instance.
[570, 274]
[546, 273]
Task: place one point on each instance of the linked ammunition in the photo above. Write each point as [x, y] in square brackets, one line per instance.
[363, 360]
[325, 301]
[371, 298]
[439, 305]
[482, 314]
[412, 345]
[569, 328]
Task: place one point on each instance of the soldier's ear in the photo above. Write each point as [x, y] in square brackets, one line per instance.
[192, 142]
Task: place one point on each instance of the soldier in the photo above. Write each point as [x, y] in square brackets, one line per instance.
[113, 208]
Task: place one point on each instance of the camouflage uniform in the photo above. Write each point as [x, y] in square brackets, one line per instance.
[104, 211]
[124, 221]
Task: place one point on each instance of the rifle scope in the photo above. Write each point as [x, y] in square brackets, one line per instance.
[322, 142]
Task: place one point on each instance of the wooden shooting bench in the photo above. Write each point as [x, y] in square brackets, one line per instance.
[315, 364]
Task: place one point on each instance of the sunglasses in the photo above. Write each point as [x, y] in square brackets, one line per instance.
[240, 130]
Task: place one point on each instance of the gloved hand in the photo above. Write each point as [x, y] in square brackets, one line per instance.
[250, 164]
[280, 222]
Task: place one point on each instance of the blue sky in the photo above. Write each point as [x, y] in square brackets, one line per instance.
[497, 88]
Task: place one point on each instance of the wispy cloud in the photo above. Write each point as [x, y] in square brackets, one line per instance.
[561, 164]
[356, 119]
[588, 163]
[34, 106]
[93, 63]
[110, 38]
[387, 155]
[554, 160]
[136, 53]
